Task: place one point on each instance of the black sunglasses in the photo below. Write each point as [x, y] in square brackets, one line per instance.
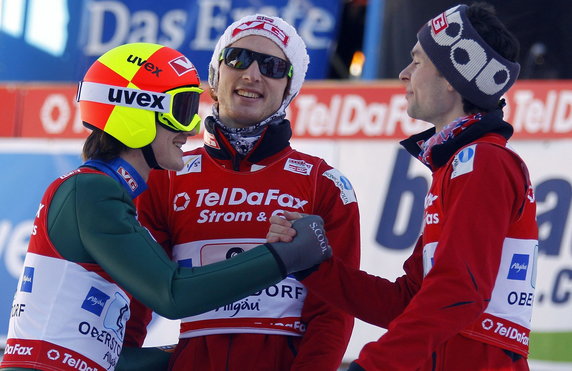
[269, 65]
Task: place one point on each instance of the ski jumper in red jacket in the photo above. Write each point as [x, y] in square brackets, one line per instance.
[465, 301]
[219, 206]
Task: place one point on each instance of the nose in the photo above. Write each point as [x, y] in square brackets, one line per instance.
[252, 72]
[404, 74]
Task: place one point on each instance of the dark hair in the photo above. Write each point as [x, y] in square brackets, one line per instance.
[101, 146]
[485, 21]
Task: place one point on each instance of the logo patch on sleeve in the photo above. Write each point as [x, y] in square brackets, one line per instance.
[347, 193]
[298, 166]
[192, 164]
[518, 267]
[463, 161]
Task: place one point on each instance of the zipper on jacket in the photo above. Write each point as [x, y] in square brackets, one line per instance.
[236, 163]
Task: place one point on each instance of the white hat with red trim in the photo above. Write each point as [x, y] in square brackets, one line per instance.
[275, 29]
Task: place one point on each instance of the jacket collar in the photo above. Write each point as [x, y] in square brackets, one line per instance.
[274, 138]
[491, 122]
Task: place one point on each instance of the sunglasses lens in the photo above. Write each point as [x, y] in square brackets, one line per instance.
[269, 66]
[272, 67]
[237, 58]
[185, 106]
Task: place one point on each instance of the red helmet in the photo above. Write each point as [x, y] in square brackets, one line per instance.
[132, 87]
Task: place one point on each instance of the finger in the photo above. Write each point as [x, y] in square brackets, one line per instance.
[279, 220]
[292, 215]
[282, 233]
[278, 237]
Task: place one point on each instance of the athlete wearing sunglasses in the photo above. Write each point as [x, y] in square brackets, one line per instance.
[269, 65]
[246, 172]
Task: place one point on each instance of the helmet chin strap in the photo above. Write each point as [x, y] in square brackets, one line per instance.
[150, 157]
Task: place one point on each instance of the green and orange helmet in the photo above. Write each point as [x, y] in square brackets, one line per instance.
[132, 87]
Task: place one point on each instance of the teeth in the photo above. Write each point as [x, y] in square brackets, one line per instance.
[247, 94]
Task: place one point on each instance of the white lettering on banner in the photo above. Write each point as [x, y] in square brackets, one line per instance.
[13, 244]
[55, 124]
[139, 26]
[310, 21]
[533, 115]
[208, 23]
[349, 115]
[56, 114]
[213, 16]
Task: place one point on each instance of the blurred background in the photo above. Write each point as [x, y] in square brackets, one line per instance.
[57, 40]
[351, 112]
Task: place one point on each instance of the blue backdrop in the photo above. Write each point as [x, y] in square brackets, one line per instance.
[57, 40]
[25, 176]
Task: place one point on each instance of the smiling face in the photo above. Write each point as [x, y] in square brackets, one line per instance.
[429, 96]
[246, 97]
[167, 147]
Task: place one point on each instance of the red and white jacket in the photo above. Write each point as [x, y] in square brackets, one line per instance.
[219, 206]
[465, 301]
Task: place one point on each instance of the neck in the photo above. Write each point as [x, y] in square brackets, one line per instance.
[448, 118]
[136, 159]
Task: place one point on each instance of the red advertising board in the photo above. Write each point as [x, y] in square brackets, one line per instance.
[8, 110]
[322, 110]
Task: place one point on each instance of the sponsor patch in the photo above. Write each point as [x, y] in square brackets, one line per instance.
[298, 166]
[263, 24]
[27, 279]
[192, 164]
[210, 140]
[128, 178]
[181, 65]
[518, 267]
[463, 161]
[117, 315]
[439, 23]
[126, 97]
[94, 301]
[181, 201]
[347, 193]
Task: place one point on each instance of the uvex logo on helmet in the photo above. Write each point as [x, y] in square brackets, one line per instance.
[138, 99]
[123, 96]
[262, 23]
[146, 65]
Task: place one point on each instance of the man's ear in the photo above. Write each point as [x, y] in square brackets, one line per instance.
[450, 87]
[212, 94]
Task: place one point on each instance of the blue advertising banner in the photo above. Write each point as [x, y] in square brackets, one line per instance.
[57, 40]
[26, 173]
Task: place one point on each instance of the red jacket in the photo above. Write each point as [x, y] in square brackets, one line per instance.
[470, 308]
[219, 204]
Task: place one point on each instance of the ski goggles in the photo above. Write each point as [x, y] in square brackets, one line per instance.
[177, 109]
[269, 65]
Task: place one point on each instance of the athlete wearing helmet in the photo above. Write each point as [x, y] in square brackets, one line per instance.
[88, 256]
[245, 172]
